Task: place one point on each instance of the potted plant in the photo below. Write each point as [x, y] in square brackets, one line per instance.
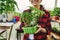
[55, 13]
[30, 19]
[8, 6]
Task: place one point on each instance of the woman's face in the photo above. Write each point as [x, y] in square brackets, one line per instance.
[35, 2]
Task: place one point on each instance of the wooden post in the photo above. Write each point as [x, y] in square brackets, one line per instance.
[10, 32]
[55, 3]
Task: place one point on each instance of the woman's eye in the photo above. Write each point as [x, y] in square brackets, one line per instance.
[34, 0]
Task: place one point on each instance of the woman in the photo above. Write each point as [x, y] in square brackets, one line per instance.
[44, 27]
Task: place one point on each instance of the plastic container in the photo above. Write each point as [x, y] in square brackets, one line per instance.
[29, 30]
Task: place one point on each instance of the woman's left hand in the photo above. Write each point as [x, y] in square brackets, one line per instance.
[37, 30]
[43, 30]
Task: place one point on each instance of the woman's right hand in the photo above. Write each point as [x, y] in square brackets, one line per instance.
[38, 26]
[38, 30]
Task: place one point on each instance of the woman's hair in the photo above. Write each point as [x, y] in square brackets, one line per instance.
[41, 7]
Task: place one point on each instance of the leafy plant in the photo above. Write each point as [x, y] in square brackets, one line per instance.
[31, 18]
[52, 13]
[17, 14]
[55, 12]
[7, 5]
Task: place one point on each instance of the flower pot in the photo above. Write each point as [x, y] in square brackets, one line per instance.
[29, 30]
[10, 16]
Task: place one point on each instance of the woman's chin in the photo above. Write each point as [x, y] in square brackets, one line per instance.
[34, 4]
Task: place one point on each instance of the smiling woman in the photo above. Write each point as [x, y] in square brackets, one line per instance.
[43, 28]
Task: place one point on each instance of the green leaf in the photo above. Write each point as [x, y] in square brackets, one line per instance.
[32, 17]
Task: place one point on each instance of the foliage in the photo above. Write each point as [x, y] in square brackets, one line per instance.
[52, 13]
[56, 29]
[55, 12]
[31, 18]
[17, 14]
[7, 5]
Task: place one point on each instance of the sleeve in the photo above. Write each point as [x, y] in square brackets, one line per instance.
[44, 22]
[22, 23]
[48, 23]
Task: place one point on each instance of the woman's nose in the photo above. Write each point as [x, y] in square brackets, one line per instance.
[34, 0]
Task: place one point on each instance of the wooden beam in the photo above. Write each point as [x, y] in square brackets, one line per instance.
[56, 3]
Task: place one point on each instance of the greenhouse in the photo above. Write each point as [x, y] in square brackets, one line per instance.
[29, 19]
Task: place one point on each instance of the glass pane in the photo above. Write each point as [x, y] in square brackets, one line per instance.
[48, 4]
[58, 4]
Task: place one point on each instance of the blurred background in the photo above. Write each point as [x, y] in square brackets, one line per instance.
[11, 10]
[48, 4]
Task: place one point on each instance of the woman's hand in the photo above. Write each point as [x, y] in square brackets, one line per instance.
[38, 29]
[43, 30]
